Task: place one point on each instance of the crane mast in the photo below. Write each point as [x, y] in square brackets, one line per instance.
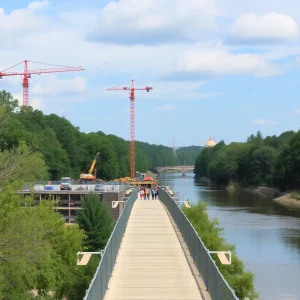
[131, 90]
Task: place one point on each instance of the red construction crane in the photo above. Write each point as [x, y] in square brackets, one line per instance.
[27, 74]
[131, 90]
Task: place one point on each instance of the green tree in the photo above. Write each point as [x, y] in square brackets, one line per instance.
[287, 169]
[7, 100]
[76, 284]
[256, 139]
[204, 158]
[20, 163]
[212, 236]
[96, 221]
[261, 165]
[36, 250]
[122, 149]
[70, 139]
[285, 138]
[107, 166]
[188, 155]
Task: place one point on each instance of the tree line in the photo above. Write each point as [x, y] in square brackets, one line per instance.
[272, 161]
[69, 152]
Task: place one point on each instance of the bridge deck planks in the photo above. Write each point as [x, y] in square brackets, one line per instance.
[151, 263]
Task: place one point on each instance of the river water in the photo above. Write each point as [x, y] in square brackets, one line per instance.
[266, 234]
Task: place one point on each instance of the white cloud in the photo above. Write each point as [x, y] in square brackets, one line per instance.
[16, 26]
[233, 9]
[38, 5]
[20, 20]
[54, 86]
[151, 22]
[165, 108]
[217, 61]
[297, 111]
[263, 122]
[268, 28]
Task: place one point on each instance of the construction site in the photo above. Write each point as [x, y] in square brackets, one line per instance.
[67, 194]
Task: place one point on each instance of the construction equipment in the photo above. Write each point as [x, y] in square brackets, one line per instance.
[27, 74]
[131, 90]
[89, 176]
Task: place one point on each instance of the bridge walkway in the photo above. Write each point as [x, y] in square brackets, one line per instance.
[151, 263]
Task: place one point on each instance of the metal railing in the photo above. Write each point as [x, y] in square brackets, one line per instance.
[214, 281]
[98, 286]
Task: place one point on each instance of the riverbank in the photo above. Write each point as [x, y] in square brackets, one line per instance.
[260, 190]
[287, 200]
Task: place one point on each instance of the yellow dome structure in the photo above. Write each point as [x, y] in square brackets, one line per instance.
[210, 143]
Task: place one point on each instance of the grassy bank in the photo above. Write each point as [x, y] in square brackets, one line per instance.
[295, 195]
[291, 199]
[212, 236]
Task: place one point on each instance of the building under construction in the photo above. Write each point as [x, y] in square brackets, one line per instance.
[68, 202]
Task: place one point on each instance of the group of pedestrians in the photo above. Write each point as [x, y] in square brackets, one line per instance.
[145, 193]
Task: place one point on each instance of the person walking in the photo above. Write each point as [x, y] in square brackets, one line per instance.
[141, 194]
[156, 193]
[153, 193]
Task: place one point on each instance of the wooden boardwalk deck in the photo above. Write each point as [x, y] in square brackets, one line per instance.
[151, 263]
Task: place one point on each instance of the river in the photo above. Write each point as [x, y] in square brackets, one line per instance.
[266, 234]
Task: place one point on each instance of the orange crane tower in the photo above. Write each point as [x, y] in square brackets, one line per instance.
[27, 74]
[131, 90]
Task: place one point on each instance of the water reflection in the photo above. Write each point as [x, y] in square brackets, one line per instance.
[266, 234]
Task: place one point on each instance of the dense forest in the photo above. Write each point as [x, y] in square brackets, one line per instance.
[188, 155]
[272, 161]
[69, 152]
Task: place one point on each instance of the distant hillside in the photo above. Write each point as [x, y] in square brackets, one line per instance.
[67, 151]
[188, 155]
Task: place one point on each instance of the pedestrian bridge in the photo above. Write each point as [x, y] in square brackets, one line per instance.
[182, 169]
[155, 253]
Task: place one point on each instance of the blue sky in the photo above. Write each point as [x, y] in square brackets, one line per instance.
[220, 68]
